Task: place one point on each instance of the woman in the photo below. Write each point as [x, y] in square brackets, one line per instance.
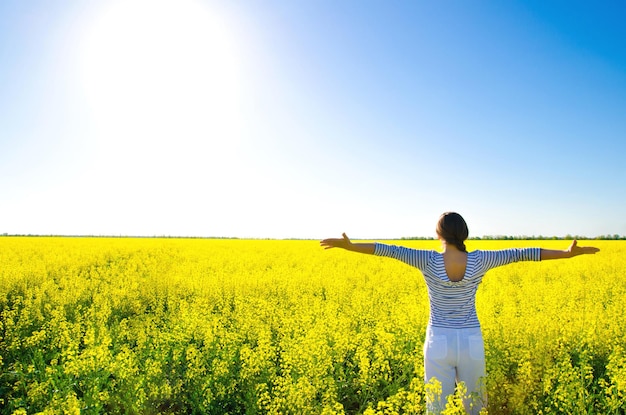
[453, 349]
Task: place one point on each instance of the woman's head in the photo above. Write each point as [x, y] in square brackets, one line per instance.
[453, 229]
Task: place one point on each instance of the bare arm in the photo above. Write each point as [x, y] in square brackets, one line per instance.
[345, 243]
[572, 251]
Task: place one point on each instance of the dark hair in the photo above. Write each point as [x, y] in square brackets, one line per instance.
[453, 229]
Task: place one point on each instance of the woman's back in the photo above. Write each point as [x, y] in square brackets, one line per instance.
[452, 282]
[455, 263]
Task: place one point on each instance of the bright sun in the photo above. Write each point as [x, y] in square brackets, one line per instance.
[162, 80]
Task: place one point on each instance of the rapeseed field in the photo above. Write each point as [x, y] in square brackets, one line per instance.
[149, 326]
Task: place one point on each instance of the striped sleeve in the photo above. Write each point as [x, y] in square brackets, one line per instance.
[417, 258]
[493, 259]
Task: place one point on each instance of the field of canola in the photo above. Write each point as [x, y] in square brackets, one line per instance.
[147, 326]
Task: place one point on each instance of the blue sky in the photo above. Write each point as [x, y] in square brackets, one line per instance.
[306, 119]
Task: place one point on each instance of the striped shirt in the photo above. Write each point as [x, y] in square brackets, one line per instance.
[453, 304]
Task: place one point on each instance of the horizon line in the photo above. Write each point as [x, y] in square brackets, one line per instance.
[614, 236]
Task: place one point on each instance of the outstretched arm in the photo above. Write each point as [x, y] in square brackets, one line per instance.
[345, 243]
[572, 251]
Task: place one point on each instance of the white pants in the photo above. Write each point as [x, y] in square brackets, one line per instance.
[452, 356]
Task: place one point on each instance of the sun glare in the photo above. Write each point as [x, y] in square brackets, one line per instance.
[162, 82]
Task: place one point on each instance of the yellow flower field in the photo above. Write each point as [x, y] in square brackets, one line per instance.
[147, 326]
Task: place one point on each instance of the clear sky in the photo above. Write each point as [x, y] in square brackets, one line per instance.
[306, 119]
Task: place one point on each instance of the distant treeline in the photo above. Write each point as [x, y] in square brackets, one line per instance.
[527, 238]
[123, 236]
[614, 237]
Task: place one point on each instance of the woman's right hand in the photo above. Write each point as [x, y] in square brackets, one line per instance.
[575, 250]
